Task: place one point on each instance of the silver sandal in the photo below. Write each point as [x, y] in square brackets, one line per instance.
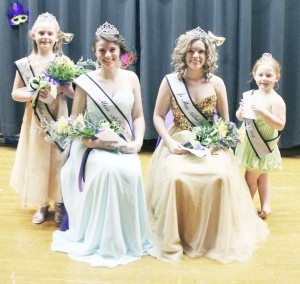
[58, 212]
[40, 215]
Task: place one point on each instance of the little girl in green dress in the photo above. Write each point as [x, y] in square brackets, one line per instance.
[263, 113]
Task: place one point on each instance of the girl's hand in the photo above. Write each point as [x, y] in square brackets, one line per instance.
[99, 144]
[240, 110]
[66, 90]
[241, 107]
[176, 148]
[44, 93]
[132, 147]
[258, 108]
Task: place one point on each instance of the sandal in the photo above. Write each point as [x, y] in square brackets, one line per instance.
[40, 215]
[58, 212]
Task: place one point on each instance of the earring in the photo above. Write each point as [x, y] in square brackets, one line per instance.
[276, 85]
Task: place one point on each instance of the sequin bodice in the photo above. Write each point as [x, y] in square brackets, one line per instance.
[206, 106]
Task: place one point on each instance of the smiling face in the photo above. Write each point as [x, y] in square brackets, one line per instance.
[45, 35]
[265, 77]
[107, 53]
[195, 55]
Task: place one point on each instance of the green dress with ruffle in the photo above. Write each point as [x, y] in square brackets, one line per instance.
[245, 154]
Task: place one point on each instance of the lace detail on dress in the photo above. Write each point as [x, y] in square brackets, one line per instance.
[207, 107]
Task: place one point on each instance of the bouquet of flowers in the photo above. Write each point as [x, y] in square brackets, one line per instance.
[62, 70]
[75, 127]
[220, 133]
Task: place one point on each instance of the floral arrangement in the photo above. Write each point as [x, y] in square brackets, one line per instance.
[62, 69]
[220, 133]
[128, 59]
[60, 72]
[75, 127]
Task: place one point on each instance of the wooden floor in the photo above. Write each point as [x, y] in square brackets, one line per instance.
[25, 255]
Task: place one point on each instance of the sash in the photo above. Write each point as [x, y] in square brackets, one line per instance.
[105, 104]
[41, 110]
[261, 146]
[184, 101]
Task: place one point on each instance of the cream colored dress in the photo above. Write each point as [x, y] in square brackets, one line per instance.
[200, 206]
[36, 170]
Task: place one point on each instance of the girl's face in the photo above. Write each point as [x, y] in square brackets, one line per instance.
[107, 53]
[195, 55]
[45, 35]
[265, 77]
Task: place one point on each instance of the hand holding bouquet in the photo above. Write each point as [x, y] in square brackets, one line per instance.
[75, 127]
[220, 133]
[60, 72]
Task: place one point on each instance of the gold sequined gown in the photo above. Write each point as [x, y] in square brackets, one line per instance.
[200, 206]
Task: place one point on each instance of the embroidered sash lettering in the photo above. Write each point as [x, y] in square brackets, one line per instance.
[184, 101]
[41, 110]
[105, 104]
[260, 146]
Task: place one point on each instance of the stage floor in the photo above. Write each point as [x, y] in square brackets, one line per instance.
[25, 255]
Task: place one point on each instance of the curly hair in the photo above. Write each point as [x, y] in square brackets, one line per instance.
[183, 43]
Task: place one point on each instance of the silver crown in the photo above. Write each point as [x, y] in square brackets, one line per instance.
[266, 55]
[197, 32]
[107, 29]
[46, 16]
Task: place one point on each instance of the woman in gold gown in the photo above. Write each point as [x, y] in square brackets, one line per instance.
[197, 206]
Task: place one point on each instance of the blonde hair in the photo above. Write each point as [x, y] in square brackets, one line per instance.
[46, 17]
[183, 43]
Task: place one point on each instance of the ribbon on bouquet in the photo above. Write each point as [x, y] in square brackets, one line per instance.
[55, 82]
[36, 84]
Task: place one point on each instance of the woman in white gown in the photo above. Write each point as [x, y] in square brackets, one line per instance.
[107, 212]
[197, 206]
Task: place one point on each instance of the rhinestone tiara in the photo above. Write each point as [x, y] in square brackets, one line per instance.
[266, 55]
[197, 32]
[107, 29]
[46, 16]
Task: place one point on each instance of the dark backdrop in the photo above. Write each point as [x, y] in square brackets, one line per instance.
[151, 27]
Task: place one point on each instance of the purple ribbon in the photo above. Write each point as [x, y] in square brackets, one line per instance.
[169, 119]
[82, 168]
[54, 81]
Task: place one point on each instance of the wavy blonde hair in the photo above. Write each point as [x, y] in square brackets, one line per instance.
[182, 45]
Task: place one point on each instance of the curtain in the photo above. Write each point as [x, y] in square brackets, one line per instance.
[151, 28]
